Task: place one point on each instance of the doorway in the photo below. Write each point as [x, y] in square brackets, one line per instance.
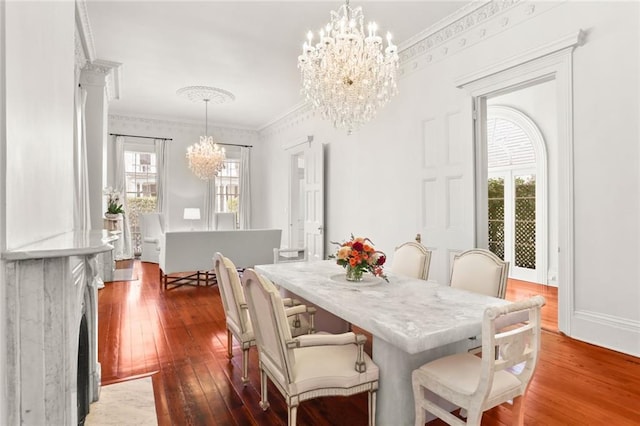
[296, 200]
[518, 207]
[306, 197]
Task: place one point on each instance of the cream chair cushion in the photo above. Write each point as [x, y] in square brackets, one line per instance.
[480, 271]
[329, 366]
[411, 259]
[461, 372]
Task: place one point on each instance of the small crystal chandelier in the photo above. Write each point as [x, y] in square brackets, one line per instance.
[347, 76]
[206, 158]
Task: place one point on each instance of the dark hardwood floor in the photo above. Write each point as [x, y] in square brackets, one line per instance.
[178, 337]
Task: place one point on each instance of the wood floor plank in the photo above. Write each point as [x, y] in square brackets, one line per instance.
[180, 335]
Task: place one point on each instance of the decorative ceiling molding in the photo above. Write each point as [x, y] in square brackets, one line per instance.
[84, 30]
[80, 57]
[467, 26]
[206, 93]
[120, 123]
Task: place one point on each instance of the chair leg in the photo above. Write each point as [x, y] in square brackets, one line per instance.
[245, 366]
[293, 414]
[372, 408]
[229, 344]
[264, 404]
[418, 395]
[518, 410]
[474, 417]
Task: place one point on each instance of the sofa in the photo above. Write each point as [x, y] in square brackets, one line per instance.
[192, 251]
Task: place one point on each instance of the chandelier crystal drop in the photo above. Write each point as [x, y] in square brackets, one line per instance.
[206, 158]
[348, 75]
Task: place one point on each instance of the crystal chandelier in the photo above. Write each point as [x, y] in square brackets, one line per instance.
[347, 75]
[206, 158]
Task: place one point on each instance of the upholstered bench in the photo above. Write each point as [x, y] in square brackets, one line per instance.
[192, 251]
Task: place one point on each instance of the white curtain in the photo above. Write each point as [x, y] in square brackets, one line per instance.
[210, 204]
[81, 213]
[120, 186]
[161, 167]
[245, 189]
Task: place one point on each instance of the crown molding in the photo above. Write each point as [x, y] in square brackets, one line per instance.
[443, 29]
[469, 25]
[84, 30]
[175, 128]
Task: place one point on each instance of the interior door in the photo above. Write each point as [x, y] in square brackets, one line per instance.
[447, 183]
[314, 200]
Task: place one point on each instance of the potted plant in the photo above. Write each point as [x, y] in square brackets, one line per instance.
[114, 207]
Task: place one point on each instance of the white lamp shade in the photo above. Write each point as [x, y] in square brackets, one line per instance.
[192, 213]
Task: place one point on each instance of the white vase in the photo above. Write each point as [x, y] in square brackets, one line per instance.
[112, 216]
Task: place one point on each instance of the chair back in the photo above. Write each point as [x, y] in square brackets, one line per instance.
[271, 327]
[284, 255]
[231, 294]
[480, 271]
[510, 336]
[225, 221]
[151, 226]
[412, 259]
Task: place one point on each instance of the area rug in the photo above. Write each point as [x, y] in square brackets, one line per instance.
[123, 404]
[127, 274]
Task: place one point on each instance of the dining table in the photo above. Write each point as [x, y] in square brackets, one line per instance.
[412, 321]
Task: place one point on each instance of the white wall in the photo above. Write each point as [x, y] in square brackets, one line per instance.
[184, 189]
[372, 176]
[36, 132]
[39, 120]
[3, 205]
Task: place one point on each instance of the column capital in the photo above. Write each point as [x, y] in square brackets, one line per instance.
[103, 73]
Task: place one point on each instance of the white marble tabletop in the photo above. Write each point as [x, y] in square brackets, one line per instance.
[411, 314]
[75, 243]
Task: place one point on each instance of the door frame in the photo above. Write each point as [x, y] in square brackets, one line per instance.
[550, 61]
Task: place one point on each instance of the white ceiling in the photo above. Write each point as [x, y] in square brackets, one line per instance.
[247, 48]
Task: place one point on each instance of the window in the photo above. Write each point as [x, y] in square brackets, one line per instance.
[141, 189]
[228, 187]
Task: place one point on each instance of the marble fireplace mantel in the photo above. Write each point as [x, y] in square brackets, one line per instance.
[51, 285]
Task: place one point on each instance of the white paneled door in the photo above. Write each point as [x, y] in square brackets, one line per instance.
[314, 200]
[447, 196]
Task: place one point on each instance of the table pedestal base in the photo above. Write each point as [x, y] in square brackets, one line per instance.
[395, 403]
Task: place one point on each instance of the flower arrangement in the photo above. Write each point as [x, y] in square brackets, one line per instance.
[113, 201]
[357, 256]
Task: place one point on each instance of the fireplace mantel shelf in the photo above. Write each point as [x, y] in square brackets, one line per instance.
[75, 243]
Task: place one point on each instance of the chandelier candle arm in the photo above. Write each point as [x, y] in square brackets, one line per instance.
[347, 75]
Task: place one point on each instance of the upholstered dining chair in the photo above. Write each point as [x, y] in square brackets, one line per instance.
[235, 308]
[411, 259]
[510, 351]
[151, 230]
[480, 271]
[308, 366]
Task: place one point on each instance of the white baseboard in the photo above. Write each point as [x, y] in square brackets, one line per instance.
[616, 333]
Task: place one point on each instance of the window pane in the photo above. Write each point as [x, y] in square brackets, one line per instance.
[141, 188]
[525, 221]
[496, 216]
